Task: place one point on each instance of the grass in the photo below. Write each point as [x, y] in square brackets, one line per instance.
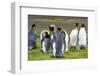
[36, 54]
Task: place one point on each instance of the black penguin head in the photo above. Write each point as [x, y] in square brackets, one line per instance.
[51, 28]
[47, 35]
[59, 28]
[33, 25]
[82, 25]
[76, 24]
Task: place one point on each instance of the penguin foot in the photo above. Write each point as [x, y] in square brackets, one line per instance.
[41, 51]
[82, 47]
[57, 56]
[29, 48]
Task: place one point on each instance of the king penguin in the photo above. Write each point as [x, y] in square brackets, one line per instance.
[82, 37]
[74, 36]
[65, 40]
[57, 41]
[45, 41]
[32, 37]
[52, 29]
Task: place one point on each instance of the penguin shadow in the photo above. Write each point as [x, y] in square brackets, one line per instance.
[41, 51]
[73, 49]
[32, 49]
[47, 52]
[82, 48]
[57, 56]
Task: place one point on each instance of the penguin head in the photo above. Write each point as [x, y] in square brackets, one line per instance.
[47, 35]
[82, 25]
[59, 28]
[52, 27]
[76, 25]
[33, 26]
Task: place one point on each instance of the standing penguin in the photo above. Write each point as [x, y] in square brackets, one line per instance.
[52, 29]
[65, 40]
[57, 41]
[74, 36]
[82, 37]
[32, 37]
[45, 41]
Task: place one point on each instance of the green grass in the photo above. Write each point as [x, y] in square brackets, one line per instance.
[36, 54]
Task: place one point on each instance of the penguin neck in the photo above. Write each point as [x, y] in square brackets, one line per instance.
[33, 30]
[76, 28]
[55, 29]
[82, 27]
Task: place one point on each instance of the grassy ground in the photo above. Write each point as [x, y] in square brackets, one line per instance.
[36, 54]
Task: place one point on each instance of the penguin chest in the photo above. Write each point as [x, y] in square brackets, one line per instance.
[82, 37]
[73, 37]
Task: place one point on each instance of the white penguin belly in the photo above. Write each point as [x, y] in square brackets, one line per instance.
[54, 48]
[66, 39]
[73, 37]
[43, 47]
[82, 37]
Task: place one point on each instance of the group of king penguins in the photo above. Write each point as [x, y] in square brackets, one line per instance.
[56, 39]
